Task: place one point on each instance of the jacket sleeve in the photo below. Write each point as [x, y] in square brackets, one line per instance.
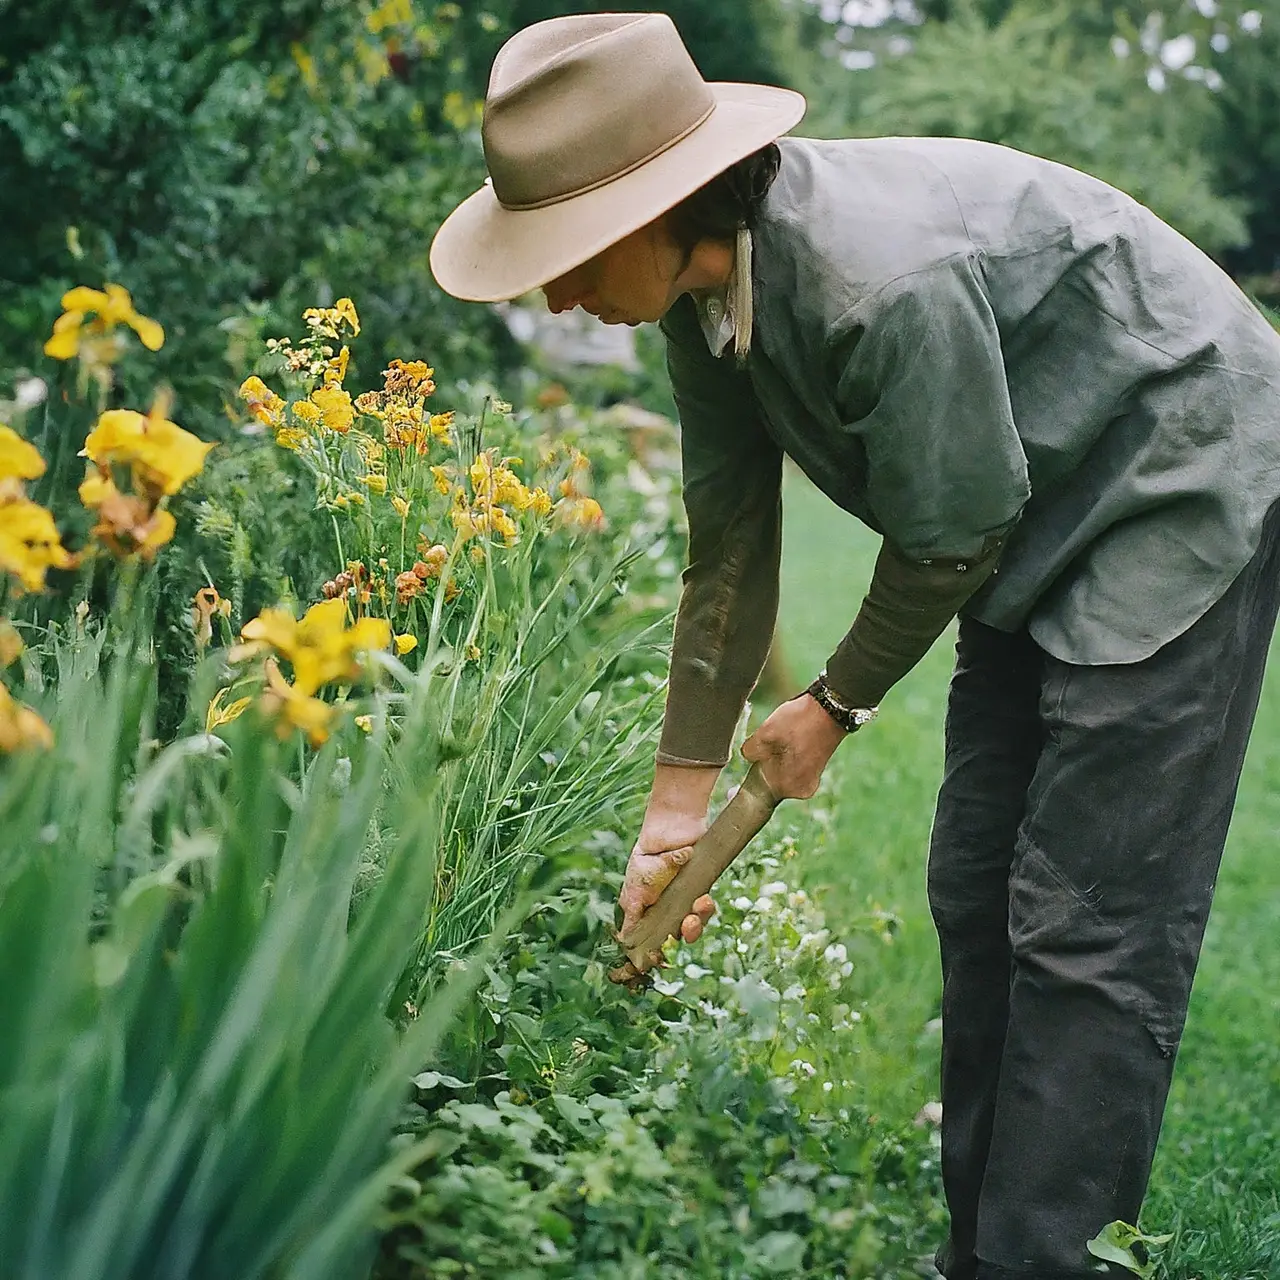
[921, 381]
[732, 487]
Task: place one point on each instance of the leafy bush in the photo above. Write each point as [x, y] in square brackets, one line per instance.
[705, 1128]
[249, 154]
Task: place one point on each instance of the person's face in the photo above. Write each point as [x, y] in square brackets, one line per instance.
[635, 280]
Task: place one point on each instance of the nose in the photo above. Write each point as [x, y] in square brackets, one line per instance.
[566, 292]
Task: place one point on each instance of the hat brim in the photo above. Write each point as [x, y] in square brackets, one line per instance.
[486, 253]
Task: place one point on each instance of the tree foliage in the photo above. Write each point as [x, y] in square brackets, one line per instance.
[741, 40]
[1175, 101]
[1033, 81]
[248, 157]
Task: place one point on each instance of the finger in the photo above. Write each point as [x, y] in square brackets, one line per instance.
[663, 872]
[630, 918]
[752, 750]
[705, 907]
[691, 927]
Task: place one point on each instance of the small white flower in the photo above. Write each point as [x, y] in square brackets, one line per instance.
[667, 988]
[30, 392]
[742, 904]
[774, 886]
[1178, 52]
[800, 1065]
[827, 1086]
[695, 971]
[835, 953]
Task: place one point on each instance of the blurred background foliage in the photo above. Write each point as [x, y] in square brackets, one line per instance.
[232, 163]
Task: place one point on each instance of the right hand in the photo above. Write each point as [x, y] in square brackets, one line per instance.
[662, 849]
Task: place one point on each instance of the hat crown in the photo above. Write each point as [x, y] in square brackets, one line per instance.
[576, 102]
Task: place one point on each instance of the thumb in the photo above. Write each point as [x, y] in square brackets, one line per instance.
[753, 750]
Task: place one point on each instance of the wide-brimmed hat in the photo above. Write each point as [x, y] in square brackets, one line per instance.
[594, 125]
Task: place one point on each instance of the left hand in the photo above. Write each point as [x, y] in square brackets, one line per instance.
[794, 745]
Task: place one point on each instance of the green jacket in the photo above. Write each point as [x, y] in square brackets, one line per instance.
[1022, 378]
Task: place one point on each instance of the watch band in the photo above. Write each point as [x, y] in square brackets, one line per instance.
[850, 719]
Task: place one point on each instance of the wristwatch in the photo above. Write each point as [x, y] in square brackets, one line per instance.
[850, 719]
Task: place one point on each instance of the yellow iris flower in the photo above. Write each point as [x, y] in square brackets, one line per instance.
[127, 523]
[292, 438]
[329, 321]
[19, 460]
[320, 647]
[163, 456]
[109, 308]
[11, 645]
[291, 709]
[29, 541]
[20, 726]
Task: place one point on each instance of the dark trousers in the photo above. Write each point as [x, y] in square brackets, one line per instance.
[1078, 834]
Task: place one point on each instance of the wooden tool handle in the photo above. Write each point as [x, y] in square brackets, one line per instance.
[751, 807]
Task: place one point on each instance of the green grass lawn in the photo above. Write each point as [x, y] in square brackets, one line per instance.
[1217, 1175]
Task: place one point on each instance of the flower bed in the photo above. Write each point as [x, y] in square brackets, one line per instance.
[325, 958]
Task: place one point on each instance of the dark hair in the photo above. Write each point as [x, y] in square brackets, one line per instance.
[729, 202]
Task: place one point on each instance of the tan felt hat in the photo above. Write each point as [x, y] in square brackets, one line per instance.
[594, 125]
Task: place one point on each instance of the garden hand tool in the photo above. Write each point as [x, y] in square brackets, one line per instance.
[746, 813]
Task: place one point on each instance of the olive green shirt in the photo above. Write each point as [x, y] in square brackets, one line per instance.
[963, 345]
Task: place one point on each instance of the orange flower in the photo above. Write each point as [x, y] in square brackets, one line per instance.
[205, 604]
[262, 402]
[127, 524]
[408, 586]
[581, 515]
